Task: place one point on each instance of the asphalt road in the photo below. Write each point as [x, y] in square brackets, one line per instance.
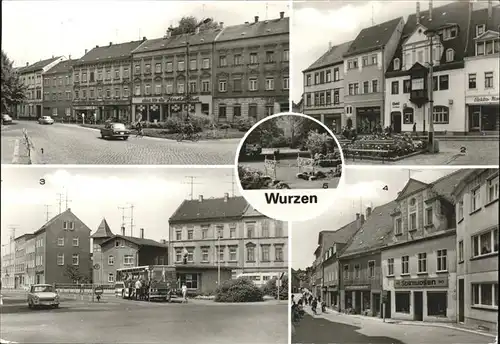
[72, 144]
[126, 321]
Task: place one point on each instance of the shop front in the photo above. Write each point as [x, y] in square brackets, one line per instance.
[332, 296]
[84, 113]
[332, 121]
[368, 118]
[483, 113]
[158, 109]
[358, 298]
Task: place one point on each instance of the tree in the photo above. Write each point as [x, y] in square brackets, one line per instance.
[266, 133]
[189, 24]
[73, 273]
[13, 91]
[271, 289]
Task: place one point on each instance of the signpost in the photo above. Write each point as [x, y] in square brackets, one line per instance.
[385, 297]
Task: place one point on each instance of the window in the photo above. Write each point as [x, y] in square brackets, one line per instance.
[204, 254]
[190, 280]
[371, 268]
[308, 80]
[178, 255]
[84, 77]
[252, 84]
[441, 115]
[237, 84]
[252, 110]
[397, 64]
[265, 228]
[222, 61]
[128, 259]
[265, 253]
[269, 110]
[75, 259]
[222, 85]
[117, 73]
[485, 243]
[170, 67]
[180, 87]
[250, 230]
[428, 216]
[460, 251]
[422, 262]
[442, 264]
[222, 111]
[117, 92]
[278, 251]
[178, 234]
[390, 267]
[254, 58]
[366, 87]
[480, 29]
[405, 260]
[403, 302]
[137, 90]
[147, 89]
[336, 74]
[485, 294]
[352, 64]
[76, 242]
[193, 65]
[190, 234]
[125, 72]
[250, 254]
[472, 81]
[192, 87]
[108, 74]
[475, 200]
[357, 271]
[236, 110]
[220, 257]
[170, 87]
[437, 303]
[346, 272]
[450, 55]
[269, 84]
[492, 189]
[374, 86]
[286, 55]
[443, 82]
[232, 253]
[488, 80]
[158, 89]
[232, 231]
[206, 63]
[111, 278]
[269, 56]
[407, 86]
[60, 241]
[329, 76]
[111, 260]
[219, 232]
[60, 259]
[180, 65]
[395, 87]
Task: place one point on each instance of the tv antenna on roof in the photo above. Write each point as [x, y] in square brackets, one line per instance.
[191, 183]
[373, 14]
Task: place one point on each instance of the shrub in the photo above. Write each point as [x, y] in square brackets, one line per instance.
[318, 143]
[271, 289]
[238, 290]
[252, 179]
[244, 124]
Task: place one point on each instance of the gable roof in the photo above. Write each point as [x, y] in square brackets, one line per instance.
[411, 186]
[52, 220]
[39, 65]
[211, 208]
[480, 17]
[137, 241]
[61, 67]
[258, 29]
[445, 186]
[103, 231]
[333, 56]
[374, 233]
[373, 37]
[177, 41]
[109, 52]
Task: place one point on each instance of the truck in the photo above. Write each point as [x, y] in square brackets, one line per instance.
[158, 282]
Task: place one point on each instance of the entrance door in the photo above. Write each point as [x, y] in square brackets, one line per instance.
[461, 300]
[396, 121]
[418, 305]
[387, 306]
[475, 119]
[376, 304]
[38, 111]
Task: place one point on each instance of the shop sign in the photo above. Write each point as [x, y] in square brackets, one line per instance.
[173, 99]
[396, 105]
[484, 100]
[438, 282]
[357, 287]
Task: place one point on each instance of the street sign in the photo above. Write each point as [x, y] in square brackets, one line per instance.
[282, 275]
[97, 266]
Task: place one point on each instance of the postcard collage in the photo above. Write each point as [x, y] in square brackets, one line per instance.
[268, 172]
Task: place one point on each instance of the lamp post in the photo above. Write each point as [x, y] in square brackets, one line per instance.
[432, 146]
[218, 257]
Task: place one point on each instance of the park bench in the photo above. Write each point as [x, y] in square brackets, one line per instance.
[352, 153]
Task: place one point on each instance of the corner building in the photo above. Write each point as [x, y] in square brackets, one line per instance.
[58, 91]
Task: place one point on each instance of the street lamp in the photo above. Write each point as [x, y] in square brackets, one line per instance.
[430, 33]
[218, 256]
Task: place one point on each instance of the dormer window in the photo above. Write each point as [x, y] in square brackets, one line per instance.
[397, 64]
[449, 33]
[480, 29]
[450, 55]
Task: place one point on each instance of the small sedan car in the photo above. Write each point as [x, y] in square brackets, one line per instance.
[119, 289]
[43, 295]
[115, 131]
[6, 119]
[45, 120]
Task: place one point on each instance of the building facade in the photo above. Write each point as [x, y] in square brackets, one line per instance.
[21, 277]
[102, 81]
[324, 88]
[172, 73]
[482, 93]
[476, 207]
[251, 70]
[365, 64]
[58, 91]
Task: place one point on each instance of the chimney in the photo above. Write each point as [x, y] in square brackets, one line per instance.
[256, 19]
[226, 197]
[362, 218]
[330, 45]
[221, 24]
[430, 10]
[110, 43]
[368, 211]
[142, 233]
[163, 241]
[417, 15]
[27, 64]
[123, 231]
[86, 51]
[357, 216]
[144, 39]
[490, 10]
[200, 198]
[282, 15]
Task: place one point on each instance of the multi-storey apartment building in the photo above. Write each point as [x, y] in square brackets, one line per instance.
[324, 87]
[58, 91]
[476, 207]
[360, 274]
[251, 70]
[419, 262]
[102, 81]
[365, 64]
[227, 234]
[408, 84]
[8, 269]
[31, 77]
[21, 277]
[173, 72]
[482, 72]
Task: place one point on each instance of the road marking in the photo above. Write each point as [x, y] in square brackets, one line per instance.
[15, 155]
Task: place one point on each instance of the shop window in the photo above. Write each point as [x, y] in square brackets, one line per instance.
[485, 294]
[403, 302]
[190, 280]
[441, 115]
[437, 303]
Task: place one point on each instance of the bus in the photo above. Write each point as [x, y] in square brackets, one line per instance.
[259, 278]
[158, 282]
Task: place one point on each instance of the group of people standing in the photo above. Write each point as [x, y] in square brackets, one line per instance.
[307, 299]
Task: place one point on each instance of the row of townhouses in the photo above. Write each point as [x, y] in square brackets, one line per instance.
[383, 75]
[229, 73]
[218, 234]
[429, 255]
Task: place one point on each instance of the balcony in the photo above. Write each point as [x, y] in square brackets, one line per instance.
[419, 97]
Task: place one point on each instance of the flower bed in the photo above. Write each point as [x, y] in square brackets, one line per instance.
[383, 146]
[252, 179]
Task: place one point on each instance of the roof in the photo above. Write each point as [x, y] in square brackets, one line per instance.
[373, 37]
[375, 232]
[480, 17]
[39, 65]
[61, 67]
[333, 56]
[255, 29]
[109, 52]
[28, 235]
[137, 241]
[52, 220]
[445, 186]
[207, 36]
[103, 231]
[211, 208]
[340, 236]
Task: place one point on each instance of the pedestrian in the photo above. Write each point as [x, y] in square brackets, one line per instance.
[414, 129]
[139, 129]
[184, 293]
[293, 299]
[314, 305]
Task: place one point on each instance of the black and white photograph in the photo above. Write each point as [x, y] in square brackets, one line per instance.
[156, 83]
[407, 257]
[106, 251]
[405, 82]
[289, 151]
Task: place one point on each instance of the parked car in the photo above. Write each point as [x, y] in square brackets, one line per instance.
[115, 131]
[45, 120]
[119, 289]
[6, 119]
[43, 295]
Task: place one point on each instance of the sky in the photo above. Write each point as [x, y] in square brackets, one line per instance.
[67, 27]
[333, 22]
[363, 187]
[98, 192]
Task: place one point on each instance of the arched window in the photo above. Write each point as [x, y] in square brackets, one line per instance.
[450, 55]
[441, 115]
[408, 115]
[397, 64]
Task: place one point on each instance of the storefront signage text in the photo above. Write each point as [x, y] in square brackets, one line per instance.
[173, 99]
[395, 105]
[485, 100]
[357, 287]
[440, 282]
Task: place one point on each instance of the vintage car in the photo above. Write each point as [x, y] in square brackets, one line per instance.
[115, 130]
[6, 119]
[119, 289]
[45, 120]
[41, 295]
